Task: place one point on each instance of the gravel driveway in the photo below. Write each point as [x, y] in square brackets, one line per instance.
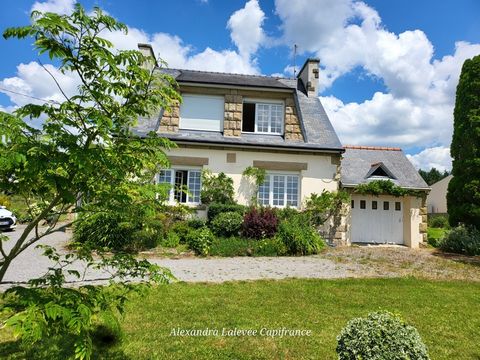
[334, 263]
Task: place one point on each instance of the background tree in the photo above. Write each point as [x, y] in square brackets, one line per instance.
[463, 197]
[433, 175]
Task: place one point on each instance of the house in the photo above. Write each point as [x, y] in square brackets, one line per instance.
[437, 198]
[228, 122]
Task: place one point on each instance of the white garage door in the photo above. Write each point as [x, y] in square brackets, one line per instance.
[377, 220]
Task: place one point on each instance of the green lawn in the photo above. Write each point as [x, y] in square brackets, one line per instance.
[435, 235]
[447, 315]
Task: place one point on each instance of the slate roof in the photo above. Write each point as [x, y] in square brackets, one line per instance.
[316, 127]
[358, 160]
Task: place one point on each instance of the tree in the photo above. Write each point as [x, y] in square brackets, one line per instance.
[84, 149]
[433, 175]
[463, 197]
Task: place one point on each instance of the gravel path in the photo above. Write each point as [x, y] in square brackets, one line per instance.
[372, 261]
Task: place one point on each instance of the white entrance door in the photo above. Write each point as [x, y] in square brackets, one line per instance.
[377, 220]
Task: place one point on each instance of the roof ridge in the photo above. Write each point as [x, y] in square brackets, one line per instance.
[362, 147]
[226, 73]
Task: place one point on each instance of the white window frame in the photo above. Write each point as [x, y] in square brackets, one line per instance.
[284, 174]
[269, 103]
[171, 194]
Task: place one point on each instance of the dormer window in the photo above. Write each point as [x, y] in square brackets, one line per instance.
[380, 171]
[264, 117]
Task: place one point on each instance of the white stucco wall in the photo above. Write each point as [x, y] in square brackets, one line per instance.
[319, 175]
[437, 198]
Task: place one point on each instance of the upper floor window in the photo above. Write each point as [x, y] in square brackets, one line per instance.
[262, 117]
[185, 185]
[202, 112]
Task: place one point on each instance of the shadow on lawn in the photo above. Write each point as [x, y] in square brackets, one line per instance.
[463, 259]
[59, 349]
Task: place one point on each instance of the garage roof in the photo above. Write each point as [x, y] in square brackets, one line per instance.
[358, 160]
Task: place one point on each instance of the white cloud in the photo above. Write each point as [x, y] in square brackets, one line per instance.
[436, 157]
[246, 28]
[56, 6]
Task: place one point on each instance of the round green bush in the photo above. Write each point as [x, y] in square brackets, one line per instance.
[380, 336]
[227, 224]
[299, 237]
[461, 240]
[199, 240]
[438, 221]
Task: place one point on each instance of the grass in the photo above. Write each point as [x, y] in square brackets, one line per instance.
[434, 235]
[446, 314]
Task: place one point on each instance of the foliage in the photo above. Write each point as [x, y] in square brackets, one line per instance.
[381, 335]
[319, 208]
[85, 148]
[239, 246]
[260, 223]
[47, 308]
[171, 240]
[181, 229]
[286, 212]
[197, 223]
[435, 236]
[380, 187]
[227, 224]
[199, 240]
[462, 240]
[270, 247]
[5, 201]
[463, 196]
[299, 237]
[257, 176]
[215, 209]
[216, 188]
[433, 175]
[438, 221]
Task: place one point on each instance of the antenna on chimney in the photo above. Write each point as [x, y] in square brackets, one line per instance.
[294, 59]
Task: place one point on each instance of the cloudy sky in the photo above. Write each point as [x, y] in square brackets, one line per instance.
[389, 69]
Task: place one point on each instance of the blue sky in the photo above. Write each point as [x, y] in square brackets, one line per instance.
[389, 68]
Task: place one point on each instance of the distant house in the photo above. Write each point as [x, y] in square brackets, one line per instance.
[228, 122]
[437, 198]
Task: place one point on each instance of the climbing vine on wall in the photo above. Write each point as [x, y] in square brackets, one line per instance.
[381, 187]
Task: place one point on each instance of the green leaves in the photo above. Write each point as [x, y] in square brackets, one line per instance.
[380, 187]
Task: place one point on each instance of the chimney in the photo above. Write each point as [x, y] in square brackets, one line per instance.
[147, 51]
[309, 76]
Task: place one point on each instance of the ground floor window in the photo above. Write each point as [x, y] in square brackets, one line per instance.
[185, 184]
[279, 190]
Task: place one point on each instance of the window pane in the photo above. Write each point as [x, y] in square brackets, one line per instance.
[262, 117]
[180, 185]
[353, 204]
[194, 186]
[264, 192]
[276, 119]
[398, 206]
[292, 190]
[165, 177]
[374, 205]
[278, 190]
[386, 205]
[362, 204]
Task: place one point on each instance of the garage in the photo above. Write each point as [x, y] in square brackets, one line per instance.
[377, 219]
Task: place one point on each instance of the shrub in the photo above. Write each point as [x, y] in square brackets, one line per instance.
[142, 239]
[5, 201]
[260, 223]
[216, 208]
[196, 223]
[438, 221]
[286, 213]
[299, 237]
[171, 240]
[227, 224]
[381, 335]
[270, 247]
[182, 230]
[216, 188]
[199, 240]
[462, 240]
[232, 246]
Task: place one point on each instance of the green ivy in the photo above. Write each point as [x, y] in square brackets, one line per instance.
[256, 175]
[382, 187]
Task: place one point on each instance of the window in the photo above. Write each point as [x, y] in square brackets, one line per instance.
[352, 204]
[186, 185]
[374, 205]
[201, 112]
[398, 206]
[386, 205]
[262, 117]
[279, 190]
[363, 204]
